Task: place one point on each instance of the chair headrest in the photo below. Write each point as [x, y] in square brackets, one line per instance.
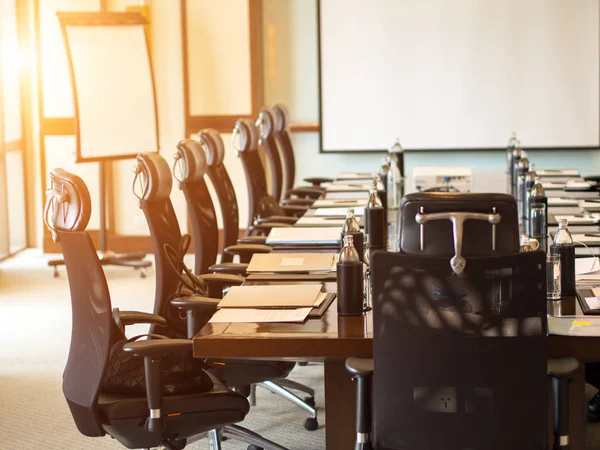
[426, 224]
[155, 176]
[265, 118]
[190, 161]
[245, 134]
[282, 117]
[213, 146]
[68, 205]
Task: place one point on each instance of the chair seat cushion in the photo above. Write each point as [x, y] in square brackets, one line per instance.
[219, 398]
[241, 372]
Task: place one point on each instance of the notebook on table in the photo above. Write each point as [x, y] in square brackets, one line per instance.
[315, 221]
[290, 263]
[557, 173]
[356, 176]
[560, 201]
[311, 236]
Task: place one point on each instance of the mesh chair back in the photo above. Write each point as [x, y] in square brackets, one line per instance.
[460, 362]
[154, 175]
[260, 204]
[267, 142]
[67, 213]
[282, 137]
[190, 175]
[217, 173]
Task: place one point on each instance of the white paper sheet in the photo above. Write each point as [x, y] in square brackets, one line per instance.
[586, 265]
[339, 212]
[322, 221]
[251, 315]
[593, 302]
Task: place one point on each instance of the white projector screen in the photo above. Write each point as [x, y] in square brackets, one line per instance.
[460, 74]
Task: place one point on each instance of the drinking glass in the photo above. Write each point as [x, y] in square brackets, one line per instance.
[553, 291]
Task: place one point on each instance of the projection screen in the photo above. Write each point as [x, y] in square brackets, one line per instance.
[460, 74]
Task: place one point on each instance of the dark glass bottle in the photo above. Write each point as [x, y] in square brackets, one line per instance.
[512, 143]
[350, 284]
[351, 227]
[375, 222]
[564, 247]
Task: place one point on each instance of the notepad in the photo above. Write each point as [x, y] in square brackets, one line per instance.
[557, 173]
[290, 262]
[312, 221]
[339, 203]
[338, 212]
[272, 296]
[305, 236]
[348, 187]
[577, 220]
[363, 195]
[559, 201]
[355, 175]
[585, 238]
[590, 206]
[250, 315]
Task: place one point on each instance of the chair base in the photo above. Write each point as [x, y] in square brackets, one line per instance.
[311, 422]
[134, 260]
[250, 437]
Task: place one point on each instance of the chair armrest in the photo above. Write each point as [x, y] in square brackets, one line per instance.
[216, 282]
[298, 201]
[316, 181]
[304, 192]
[362, 367]
[157, 347]
[199, 311]
[230, 268]
[196, 303]
[152, 351]
[132, 317]
[260, 240]
[562, 367]
[294, 210]
[281, 219]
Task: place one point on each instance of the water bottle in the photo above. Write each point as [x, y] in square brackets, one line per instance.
[349, 280]
[375, 221]
[384, 170]
[512, 143]
[538, 214]
[522, 169]
[351, 227]
[529, 182]
[382, 193]
[564, 247]
[395, 176]
[517, 151]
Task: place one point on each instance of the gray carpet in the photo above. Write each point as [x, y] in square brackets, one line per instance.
[35, 335]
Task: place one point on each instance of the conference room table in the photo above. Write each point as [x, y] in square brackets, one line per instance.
[331, 339]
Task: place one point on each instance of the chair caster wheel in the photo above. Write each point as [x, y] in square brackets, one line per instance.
[311, 424]
[310, 401]
[254, 447]
[143, 273]
[303, 363]
[56, 274]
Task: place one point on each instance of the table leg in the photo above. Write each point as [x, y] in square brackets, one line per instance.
[340, 406]
[577, 410]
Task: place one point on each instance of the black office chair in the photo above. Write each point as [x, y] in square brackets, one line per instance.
[262, 206]
[282, 136]
[155, 177]
[287, 196]
[465, 315]
[189, 169]
[133, 419]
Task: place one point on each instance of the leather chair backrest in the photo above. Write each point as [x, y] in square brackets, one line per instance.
[282, 137]
[67, 212]
[479, 237]
[189, 168]
[268, 143]
[154, 175]
[68, 204]
[261, 204]
[217, 173]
